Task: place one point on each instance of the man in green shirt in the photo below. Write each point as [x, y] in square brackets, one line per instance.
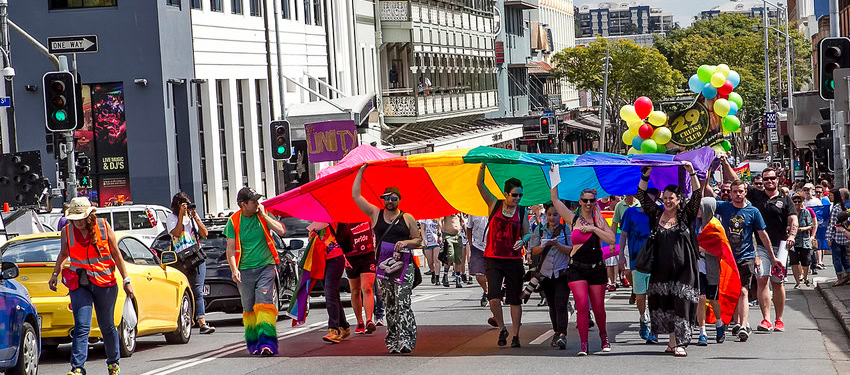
[252, 257]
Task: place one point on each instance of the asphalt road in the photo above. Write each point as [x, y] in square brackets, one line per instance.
[454, 338]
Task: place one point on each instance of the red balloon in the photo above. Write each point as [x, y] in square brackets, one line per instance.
[643, 106]
[645, 131]
[722, 97]
[726, 88]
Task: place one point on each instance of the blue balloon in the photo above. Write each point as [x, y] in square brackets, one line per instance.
[735, 78]
[695, 84]
[636, 142]
[708, 91]
[733, 108]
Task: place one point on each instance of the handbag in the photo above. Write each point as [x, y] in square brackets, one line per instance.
[191, 257]
[646, 255]
[417, 274]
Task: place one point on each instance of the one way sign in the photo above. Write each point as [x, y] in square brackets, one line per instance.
[72, 44]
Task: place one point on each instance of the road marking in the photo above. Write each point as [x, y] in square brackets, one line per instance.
[222, 352]
[540, 339]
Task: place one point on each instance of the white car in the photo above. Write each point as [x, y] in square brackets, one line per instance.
[143, 221]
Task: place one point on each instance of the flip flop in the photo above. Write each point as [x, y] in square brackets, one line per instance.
[670, 350]
[680, 352]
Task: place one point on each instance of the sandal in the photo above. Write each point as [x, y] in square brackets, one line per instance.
[680, 352]
[670, 350]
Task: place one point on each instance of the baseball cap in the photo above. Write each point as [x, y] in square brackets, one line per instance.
[809, 186]
[247, 194]
[391, 190]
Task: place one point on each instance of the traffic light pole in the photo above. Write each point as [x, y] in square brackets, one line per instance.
[71, 158]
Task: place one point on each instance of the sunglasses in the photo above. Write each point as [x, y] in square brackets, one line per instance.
[797, 201]
[726, 190]
[758, 183]
[774, 178]
[516, 195]
[591, 200]
[390, 199]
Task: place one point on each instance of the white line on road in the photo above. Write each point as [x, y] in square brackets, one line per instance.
[540, 339]
[222, 352]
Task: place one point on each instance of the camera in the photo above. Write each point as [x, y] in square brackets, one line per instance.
[530, 288]
[191, 206]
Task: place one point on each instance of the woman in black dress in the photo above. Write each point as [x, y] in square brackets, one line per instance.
[673, 285]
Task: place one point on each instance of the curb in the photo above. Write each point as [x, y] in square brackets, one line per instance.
[836, 306]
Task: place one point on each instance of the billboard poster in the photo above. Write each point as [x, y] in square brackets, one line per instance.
[110, 128]
[114, 189]
[85, 134]
[695, 128]
[330, 140]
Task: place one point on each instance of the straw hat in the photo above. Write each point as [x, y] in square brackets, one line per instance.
[79, 209]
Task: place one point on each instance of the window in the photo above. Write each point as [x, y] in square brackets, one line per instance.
[215, 6]
[254, 6]
[174, 3]
[258, 88]
[139, 220]
[219, 97]
[236, 6]
[196, 4]
[307, 6]
[70, 4]
[317, 11]
[105, 216]
[121, 220]
[295, 9]
[141, 254]
[200, 109]
[284, 6]
[240, 110]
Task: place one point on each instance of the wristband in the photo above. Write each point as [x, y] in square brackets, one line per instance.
[126, 280]
[526, 238]
[644, 177]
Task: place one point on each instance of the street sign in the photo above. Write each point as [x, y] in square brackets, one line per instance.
[774, 137]
[548, 113]
[5, 101]
[770, 119]
[72, 44]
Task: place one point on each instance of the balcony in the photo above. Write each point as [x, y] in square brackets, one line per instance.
[401, 107]
[522, 4]
[395, 11]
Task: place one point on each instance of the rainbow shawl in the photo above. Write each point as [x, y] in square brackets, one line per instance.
[261, 328]
[312, 267]
[713, 240]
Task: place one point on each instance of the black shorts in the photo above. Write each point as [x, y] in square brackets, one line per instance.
[800, 256]
[595, 275]
[747, 269]
[361, 264]
[511, 272]
[710, 292]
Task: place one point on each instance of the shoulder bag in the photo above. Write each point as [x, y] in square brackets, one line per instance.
[417, 275]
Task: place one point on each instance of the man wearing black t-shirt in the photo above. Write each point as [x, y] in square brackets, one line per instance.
[781, 219]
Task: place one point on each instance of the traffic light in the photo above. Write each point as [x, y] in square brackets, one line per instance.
[281, 141]
[824, 143]
[21, 183]
[545, 123]
[83, 170]
[60, 101]
[834, 53]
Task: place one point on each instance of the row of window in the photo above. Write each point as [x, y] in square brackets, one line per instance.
[442, 17]
[313, 9]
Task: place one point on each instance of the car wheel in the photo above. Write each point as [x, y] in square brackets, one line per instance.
[126, 339]
[184, 323]
[27, 353]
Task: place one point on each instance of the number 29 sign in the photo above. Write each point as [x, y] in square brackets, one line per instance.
[693, 129]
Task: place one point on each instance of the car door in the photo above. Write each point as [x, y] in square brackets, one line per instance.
[144, 305]
[165, 292]
[8, 320]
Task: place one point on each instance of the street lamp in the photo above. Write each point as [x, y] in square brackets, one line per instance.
[603, 108]
[790, 90]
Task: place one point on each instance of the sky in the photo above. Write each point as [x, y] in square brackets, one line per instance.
[683, 10]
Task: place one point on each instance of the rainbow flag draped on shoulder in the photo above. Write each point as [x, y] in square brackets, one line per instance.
[713, 239]
[312, 267]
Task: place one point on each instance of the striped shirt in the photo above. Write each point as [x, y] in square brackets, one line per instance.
[833, 236]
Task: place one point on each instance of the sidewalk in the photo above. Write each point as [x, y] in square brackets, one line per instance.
[837, 298]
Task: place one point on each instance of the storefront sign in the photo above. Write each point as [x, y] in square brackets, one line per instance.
[693, 129]
[330, 140]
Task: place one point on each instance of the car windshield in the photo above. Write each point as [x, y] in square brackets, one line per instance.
[295, 228]
[31, 251]
[215, 242]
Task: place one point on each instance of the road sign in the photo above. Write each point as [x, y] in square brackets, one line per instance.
[72, 44]
[770, 119]
[5, 101]
[774, 137]
[548, 113]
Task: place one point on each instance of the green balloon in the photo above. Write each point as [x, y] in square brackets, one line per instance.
[704, 73]
[726, 145]
[648, 146]
[735, 98]
[731, 123]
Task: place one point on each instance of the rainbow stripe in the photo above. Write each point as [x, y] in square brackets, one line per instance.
[261, 328]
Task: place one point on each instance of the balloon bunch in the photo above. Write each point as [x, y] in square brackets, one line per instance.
[647, 133]
[716, 83]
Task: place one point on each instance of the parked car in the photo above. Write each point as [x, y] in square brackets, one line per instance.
[143, 221]
[163, 297]
[20, 341]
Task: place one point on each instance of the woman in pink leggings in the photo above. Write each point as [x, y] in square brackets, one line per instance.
[586, 273]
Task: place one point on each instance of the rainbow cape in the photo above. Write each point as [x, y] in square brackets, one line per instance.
[312, 267]
[713, 240]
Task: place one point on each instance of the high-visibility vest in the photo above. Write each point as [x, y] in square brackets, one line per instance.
[235, 218]
[96, 260]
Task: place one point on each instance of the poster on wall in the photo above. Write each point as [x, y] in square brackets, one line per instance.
[114, 189]
[85, 135]
[330, 140]
[110, 128]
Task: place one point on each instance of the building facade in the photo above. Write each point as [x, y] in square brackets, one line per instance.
[749, 8]
[559, 16]
[622, 18]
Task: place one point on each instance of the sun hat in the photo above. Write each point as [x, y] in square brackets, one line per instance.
[79, 209]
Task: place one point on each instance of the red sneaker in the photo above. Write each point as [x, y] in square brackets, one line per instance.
[778, 326]
[765, 326]
[361, 328]
[625, 282]
[612, 287]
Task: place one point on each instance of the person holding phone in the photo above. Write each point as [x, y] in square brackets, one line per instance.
[186, 229]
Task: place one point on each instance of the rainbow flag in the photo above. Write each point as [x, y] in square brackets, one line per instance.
[713, 240]
[312, 267]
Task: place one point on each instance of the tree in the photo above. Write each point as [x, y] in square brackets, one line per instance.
[635, 71]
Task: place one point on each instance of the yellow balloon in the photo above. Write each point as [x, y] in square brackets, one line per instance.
[628, 136]
[633, 151]
[628, 113]
[717, 79]
[635, 125]
[721, 107]
[662, 135]
[723, 69]
[657, 118]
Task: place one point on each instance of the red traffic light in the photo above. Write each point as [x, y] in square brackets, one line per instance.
[544, 121]
[833, 52]
[57, 86]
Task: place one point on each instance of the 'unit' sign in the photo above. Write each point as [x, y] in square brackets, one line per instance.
[330, 140]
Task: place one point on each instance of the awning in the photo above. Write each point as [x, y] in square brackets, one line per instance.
[450, 134]
[586, 122]
[539, 67]
[355, 108]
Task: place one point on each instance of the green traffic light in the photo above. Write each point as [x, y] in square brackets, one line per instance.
[832, 84]
[281, 149]
[60, 115]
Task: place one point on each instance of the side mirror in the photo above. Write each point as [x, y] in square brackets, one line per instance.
[167, 258]
[296, 244]
[8, 270]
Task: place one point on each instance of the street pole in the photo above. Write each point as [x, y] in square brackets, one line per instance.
[790, 113]
[767, 83]
[71, 177]
[9, 143]
[280, 88]
[837, 128]
[604, 99]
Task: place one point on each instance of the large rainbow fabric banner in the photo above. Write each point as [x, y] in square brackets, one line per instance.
[438, 184]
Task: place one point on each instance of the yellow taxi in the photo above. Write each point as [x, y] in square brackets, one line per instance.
[163, 298]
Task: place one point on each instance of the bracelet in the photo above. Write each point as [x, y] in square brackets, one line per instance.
[644, 177]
